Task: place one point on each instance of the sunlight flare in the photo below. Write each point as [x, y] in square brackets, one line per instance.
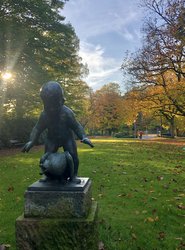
[7, 75]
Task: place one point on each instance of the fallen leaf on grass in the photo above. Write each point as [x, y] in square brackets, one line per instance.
[180, 206]
[161, 236]
[152, 191]
[154, 198]
[10, 189]
[178, 166]
[100, 195]
[121, 195]
[160, 178]
[150, 219]
[181, 195]
[129, 195]
[181, 246]
[18, 199]
[134, 237]
[101, 246]
[178, 198]
[179, 238]
[156, 218]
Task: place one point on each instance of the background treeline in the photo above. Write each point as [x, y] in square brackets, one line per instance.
[155, 96]
[38, 46]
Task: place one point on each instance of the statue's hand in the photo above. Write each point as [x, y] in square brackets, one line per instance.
[27, 146]
[88, 142]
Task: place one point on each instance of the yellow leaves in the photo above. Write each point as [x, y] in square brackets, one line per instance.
[106, 108]
[18, 199]
[152, 219]
[181, 195]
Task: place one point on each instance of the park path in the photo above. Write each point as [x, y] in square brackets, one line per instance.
[179, 141]
[149, 136]
[13, 151]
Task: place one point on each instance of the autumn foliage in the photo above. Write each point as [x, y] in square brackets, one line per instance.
[157, 70]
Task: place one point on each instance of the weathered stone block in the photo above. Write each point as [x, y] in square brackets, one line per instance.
[58, 234]
[58, 201]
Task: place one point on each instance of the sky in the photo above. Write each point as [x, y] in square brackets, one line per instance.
[107, 29]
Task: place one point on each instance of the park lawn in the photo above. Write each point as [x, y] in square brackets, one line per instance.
[139, 186]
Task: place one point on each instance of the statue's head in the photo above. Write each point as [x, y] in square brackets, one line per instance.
[52, 96]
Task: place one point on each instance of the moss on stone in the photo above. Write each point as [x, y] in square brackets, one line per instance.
[59, 234]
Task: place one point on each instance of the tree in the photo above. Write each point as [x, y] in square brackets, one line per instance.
[36, 46]
[106, 109]
[161, 60]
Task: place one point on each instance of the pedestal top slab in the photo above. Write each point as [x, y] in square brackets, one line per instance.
[56, 186]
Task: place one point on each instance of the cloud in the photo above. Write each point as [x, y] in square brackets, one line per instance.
[106, 30]
[93, 18]
[102, 69]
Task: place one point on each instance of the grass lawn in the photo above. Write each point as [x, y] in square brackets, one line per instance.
[139, 186]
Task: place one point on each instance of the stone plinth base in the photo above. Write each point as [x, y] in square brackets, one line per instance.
[53, 200]
[58, 233]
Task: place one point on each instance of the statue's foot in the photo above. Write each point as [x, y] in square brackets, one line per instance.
[76, 180]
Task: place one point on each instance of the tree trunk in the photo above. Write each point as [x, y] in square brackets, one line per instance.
[110, 132]
[172, 127]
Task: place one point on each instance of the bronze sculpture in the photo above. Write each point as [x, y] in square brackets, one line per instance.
[59, 166]
[60, 122]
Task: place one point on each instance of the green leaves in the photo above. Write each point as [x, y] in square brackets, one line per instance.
[36, 46]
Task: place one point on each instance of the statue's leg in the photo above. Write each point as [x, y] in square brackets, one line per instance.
[70, 165]
[71, 147]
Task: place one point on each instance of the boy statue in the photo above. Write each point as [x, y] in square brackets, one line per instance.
[60, 122]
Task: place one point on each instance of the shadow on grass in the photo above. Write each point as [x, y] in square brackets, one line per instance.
[139, 187]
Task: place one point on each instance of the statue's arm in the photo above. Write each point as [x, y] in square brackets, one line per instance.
[78, 129]
[36, 131]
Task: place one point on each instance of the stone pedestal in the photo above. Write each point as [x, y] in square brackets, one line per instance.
[58, 217]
